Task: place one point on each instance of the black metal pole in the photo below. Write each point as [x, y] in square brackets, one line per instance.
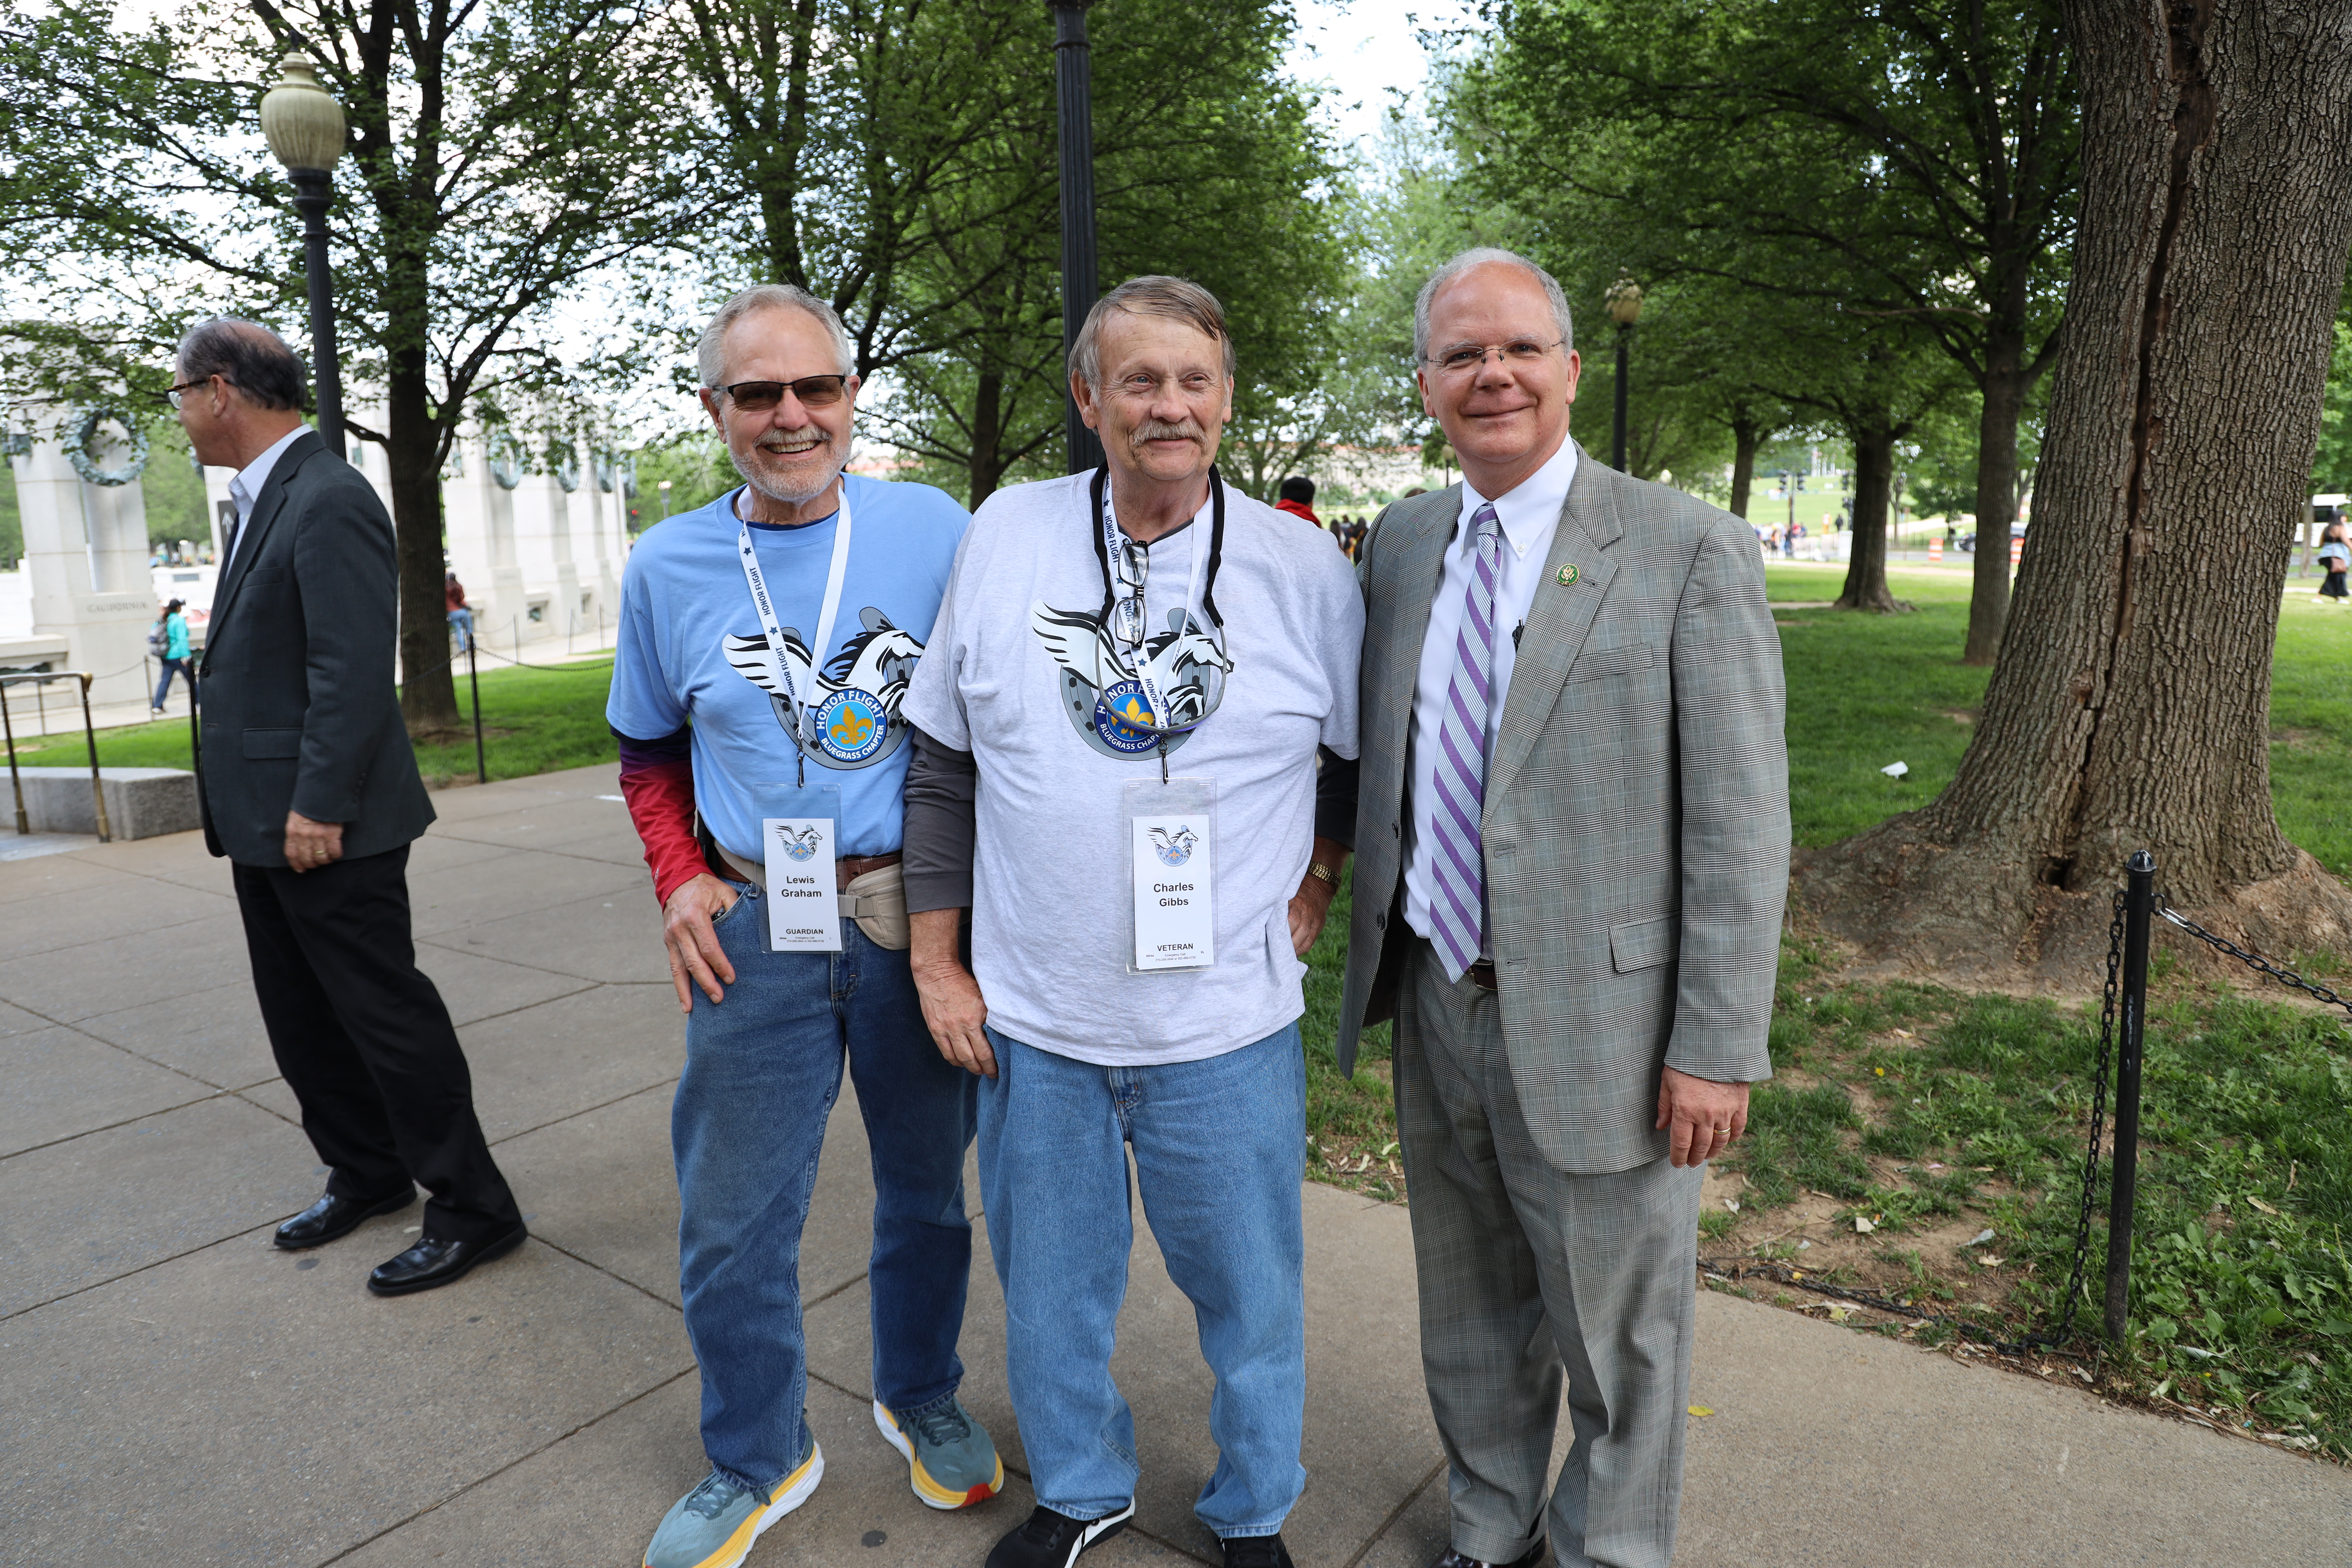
[2140, 900]
[16, 780]
[1074, 79]
[474, 679]
[96, 789]
[1624, 359]
[314, 189]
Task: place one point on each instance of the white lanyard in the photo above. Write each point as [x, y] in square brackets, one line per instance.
[778, 669]
[1112, 545]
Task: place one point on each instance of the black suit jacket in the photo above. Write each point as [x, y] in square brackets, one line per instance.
[300, 712]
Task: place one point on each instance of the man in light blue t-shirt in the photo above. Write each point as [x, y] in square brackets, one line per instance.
[766, 642]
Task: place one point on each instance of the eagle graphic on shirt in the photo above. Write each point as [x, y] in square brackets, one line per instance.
[1103, 701]
[853, 702]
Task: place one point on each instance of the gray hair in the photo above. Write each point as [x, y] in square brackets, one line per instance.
[709, 355]
[1153, 295]
[249, 356]
[1480, 257]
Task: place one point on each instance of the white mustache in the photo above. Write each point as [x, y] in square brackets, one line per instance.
[1155, 430]
[791, 442]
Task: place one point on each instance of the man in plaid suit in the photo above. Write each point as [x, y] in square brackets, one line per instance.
[1572, 829]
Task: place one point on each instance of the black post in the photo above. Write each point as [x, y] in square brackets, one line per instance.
[474, 679]
[2140, 900]
[1074, 76]
[1624, 359]
[15, 779]
[97, 788]
[314, 189]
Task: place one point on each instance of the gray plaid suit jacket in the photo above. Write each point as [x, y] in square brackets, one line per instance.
[1636, 823]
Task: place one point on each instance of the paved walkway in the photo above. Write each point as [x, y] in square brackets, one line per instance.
[172, 1389]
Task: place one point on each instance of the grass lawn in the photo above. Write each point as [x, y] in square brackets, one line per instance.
[1952, 1126]
[1867, 691]
[535, 719]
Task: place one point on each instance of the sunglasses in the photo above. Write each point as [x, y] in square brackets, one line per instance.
[814, 392]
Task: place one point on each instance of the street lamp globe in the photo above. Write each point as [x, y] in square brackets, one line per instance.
[303, 122]
[1624, 301]
[304, 125]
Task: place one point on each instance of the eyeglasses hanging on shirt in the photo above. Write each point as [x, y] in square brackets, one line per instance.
[1126, 569]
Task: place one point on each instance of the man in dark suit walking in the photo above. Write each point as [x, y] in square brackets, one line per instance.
[308, 785]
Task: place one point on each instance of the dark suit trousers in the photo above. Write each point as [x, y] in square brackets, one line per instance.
[366, 1043]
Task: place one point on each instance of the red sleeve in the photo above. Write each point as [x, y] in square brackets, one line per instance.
[657, 782]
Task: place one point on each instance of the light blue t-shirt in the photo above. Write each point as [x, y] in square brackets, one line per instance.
[690, 647]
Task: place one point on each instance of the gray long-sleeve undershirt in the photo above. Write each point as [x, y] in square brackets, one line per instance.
[942, 827]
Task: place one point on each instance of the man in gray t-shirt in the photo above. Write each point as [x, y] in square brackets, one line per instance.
[1116, 728]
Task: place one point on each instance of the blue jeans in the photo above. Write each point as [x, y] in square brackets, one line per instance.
[763, 1070]
[185, 669]
[1220, 1151]
[462, 623]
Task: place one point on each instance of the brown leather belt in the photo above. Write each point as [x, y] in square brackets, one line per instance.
[848, 870]
[1481, 974]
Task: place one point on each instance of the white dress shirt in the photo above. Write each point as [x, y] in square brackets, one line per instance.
[1530, 516]
[245, 488]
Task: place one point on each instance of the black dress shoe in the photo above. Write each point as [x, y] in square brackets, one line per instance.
[1453, 1559]
[332, 1218]
[1255, 1551]
[434, 1262]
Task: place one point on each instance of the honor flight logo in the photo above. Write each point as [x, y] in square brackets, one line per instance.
[854, 702]
[1174, 848]
[1102, 700]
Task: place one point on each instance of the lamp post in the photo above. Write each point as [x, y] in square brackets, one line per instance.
[304, 125]
[1074, 81]
[1624, 303]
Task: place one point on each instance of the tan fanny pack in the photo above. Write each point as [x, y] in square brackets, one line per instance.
[876, 901]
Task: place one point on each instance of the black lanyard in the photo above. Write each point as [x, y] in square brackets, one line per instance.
[1216, 546]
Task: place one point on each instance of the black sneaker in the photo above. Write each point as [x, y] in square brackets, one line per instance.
[1255, 1551]
[1051, 1540]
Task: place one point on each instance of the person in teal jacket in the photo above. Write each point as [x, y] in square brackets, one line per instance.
[174, 627]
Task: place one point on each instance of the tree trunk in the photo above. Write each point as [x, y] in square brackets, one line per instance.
[1747, 435]
[1873, 485]
[2129, 709]
[2005, 385]
[428, 690]
[986, 465]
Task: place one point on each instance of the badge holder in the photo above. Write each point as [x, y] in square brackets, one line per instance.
[797, 839]
[1171, 827]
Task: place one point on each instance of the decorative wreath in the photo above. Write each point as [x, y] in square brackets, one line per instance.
[506, 458]
[78, 449]
[567, 468]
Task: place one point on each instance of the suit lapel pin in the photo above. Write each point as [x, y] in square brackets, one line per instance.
[1568, 576]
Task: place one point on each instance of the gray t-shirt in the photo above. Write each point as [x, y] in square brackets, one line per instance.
[1006, 676]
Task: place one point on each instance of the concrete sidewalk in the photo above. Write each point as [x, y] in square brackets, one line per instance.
[173, 1388]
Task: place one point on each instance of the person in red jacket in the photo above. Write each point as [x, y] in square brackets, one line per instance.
[1298, 499]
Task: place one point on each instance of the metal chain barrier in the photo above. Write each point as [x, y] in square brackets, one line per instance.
[2254, 961]
[2125, 1000]
[2054, 1339]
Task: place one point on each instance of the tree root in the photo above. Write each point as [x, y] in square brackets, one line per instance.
[1978, 912]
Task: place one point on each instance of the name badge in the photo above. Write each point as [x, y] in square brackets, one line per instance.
[1172, 853]
[804, 906]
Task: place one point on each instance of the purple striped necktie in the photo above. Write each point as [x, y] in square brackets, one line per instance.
[1457, 908]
